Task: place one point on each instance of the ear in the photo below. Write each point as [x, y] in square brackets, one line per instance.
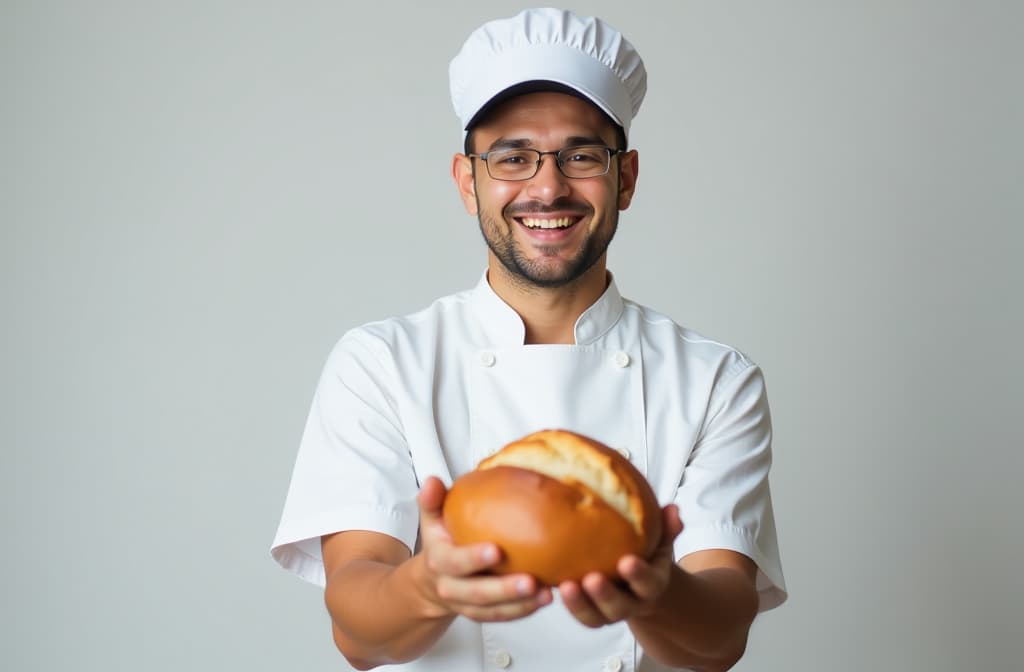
[629, 168]
[462, 173]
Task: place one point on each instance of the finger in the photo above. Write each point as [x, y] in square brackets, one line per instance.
[447, 560]
[646, 580]
[580, 605]
[613, 602]
[507, 611]
[485, 591]
[431, 497]
[673, 524]
[431, 502]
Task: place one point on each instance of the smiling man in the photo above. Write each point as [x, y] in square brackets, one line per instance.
[406, 405]
[547, 191]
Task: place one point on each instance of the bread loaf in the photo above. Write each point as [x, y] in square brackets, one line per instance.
[558, 504]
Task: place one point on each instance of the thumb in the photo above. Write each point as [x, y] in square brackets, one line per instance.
[431, 502]
[672, 524]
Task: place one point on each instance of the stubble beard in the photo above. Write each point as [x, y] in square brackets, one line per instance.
[534, 273]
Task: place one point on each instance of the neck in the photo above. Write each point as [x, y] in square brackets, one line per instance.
[549, 313]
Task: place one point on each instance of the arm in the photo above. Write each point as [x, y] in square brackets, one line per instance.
[703, 617]
[388, 606]
[696, 614]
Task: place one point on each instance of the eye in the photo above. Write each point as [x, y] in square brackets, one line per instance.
[584, 155]
[512, 158]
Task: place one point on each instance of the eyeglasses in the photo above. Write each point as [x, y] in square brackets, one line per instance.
[579, 162]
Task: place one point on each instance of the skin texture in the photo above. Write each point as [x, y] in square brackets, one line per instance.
[693, 614]
[533, 261]
[548, 279]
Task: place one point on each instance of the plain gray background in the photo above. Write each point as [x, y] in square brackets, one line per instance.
[198, 198]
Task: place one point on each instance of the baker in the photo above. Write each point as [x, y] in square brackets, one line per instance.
[544, 340]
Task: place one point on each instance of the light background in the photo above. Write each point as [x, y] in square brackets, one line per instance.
[198, 198]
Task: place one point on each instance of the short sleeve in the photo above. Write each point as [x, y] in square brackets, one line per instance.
[723, 497]
[353, 470]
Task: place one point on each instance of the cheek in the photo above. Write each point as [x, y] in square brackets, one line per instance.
[496, 195]
[603, 199]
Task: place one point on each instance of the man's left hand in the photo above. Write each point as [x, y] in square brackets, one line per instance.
[596, 600]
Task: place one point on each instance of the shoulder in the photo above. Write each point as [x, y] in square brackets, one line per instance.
[417, 331]
[674, 346]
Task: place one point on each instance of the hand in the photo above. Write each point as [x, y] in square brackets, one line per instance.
[596, 600]
[451, 578]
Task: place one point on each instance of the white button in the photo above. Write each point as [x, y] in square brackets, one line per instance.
[625, 452]
[621, 360]
[487, 358]
[613, 664]
[502, 658]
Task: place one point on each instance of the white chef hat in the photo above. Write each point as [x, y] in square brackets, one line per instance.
[540, 47]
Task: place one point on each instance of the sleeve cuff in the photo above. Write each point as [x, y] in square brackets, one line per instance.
[771, 585]
[296, 546]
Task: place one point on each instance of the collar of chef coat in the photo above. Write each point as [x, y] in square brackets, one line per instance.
[505, 328]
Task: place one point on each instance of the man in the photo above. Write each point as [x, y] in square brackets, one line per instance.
[407, 405]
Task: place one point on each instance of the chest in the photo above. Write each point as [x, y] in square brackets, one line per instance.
[473, 400]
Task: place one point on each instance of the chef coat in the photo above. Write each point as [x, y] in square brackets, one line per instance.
[435, 392]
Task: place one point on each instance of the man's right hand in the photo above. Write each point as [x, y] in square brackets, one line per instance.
[449, 575]
[389, 607]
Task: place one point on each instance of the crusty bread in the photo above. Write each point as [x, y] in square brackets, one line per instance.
[558, 504]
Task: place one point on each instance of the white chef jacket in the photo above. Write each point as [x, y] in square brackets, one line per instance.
[435, 392]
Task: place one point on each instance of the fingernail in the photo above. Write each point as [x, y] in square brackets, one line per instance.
[523, 586]
[490, 554]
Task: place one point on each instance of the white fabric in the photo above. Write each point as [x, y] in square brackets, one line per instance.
[583, 53]
[434, 392]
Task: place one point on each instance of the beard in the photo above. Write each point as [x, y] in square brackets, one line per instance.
[547, 269]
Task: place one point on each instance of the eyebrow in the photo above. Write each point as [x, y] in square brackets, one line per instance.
[522, 143]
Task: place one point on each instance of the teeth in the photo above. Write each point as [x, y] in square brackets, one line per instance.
[548, 223]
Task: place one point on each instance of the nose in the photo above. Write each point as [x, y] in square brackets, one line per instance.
[549, 183]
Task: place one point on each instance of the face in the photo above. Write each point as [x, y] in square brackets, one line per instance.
[550, 230]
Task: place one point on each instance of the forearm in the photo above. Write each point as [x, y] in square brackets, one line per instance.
[380, 616]
[701, 620]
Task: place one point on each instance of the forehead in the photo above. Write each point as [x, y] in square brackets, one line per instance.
[542, 118]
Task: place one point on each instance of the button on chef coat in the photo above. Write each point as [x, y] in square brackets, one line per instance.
[434, 392]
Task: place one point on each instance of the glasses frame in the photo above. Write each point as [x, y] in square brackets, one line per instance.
[540, 159]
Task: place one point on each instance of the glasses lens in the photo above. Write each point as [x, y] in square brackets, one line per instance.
[588, 161]
[512, 164]
[522, 164]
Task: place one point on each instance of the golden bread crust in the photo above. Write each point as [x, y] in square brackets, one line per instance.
[559, 505]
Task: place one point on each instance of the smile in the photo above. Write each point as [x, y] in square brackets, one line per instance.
[559, 223]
